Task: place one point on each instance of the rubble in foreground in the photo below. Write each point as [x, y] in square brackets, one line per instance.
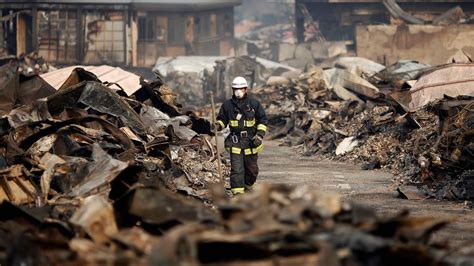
[80, 138]
[278, 224]
[69, 154]
[274, 224]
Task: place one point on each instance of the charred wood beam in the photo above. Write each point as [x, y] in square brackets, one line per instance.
[299, 25]
[309, 18]
[34, 31]
[300, 30]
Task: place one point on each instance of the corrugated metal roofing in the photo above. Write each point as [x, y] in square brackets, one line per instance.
[451, 80]
[130, 82]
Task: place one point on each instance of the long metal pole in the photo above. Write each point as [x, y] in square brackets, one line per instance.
[214, 120]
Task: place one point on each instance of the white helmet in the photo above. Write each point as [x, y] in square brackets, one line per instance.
[239, 82]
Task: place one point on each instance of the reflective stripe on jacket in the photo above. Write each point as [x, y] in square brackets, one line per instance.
[243, 115]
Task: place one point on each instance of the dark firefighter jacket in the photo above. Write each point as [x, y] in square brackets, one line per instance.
[245, 118]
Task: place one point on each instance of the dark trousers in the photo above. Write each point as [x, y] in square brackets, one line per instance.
[244, 170]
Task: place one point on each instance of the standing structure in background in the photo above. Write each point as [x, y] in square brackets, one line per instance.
[388, 30]
[120, 32]
[337, 19]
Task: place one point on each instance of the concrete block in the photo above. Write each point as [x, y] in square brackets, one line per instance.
[323, 50]
[286, 51]
[303, 53]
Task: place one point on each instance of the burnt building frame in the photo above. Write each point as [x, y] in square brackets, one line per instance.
[111, 32]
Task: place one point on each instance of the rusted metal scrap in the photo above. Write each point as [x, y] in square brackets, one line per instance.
[452, 80]
[17, 89]
[89, 176]
[283, 225]
[89, 141]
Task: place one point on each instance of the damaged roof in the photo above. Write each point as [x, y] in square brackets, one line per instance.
[130, 82]
[452, 80]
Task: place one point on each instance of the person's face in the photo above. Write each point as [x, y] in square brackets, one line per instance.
[239, 93]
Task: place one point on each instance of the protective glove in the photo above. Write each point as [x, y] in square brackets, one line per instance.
[217, 126]
[257, 140]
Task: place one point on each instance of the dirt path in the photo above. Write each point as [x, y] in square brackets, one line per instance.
[373, 188]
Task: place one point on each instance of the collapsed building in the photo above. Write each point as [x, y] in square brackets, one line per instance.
[125, 32]
[386, 31]
[194, 77]
[95, 174]
[410, 118]
[338, 19]
[99, 171]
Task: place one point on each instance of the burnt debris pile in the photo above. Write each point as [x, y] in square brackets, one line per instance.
[410, 118]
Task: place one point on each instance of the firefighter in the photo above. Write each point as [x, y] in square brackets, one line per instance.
[247, 122]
